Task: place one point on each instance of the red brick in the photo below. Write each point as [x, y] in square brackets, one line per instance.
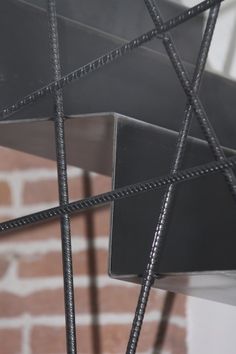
[115, 299]
[78, 224]
[48, 340]
[179, 307]
[175, 341]
[50, 264]
[100, 218]
[5, 194]
[100, 215]
[122, 299]
[46, 191]
[75, 188]
[4, 263]
[15, 160]
[42, 230]
[48, 302]
[4, 218]
[41, 303]
[101, 184]
[110, 299]
[51, 227]
[51, 302]
[11, 305]
[113, 339]
[81, 262]
[38, 231]
[10, 341]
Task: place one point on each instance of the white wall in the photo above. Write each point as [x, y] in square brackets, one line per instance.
[211, 326]
[222, 56]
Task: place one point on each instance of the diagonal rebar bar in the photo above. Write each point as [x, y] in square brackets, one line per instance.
[105, 59]
[163, 219]
[128, 191]
[193, 98]
[62, 185]
[194, 106]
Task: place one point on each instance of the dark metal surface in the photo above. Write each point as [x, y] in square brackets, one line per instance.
[149, 84]
[169, 194]
[218, 286]
[99, 63]
[128, 19]
[90, 133]
[198, 224]
[25, 65]
[163, 219]
[175, 256]
[127, 191]
[204, 122]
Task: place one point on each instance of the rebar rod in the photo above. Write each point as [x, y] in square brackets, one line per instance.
[128, 191]
[167, 201]
[62, 185]
[105, 59]
[193, 98]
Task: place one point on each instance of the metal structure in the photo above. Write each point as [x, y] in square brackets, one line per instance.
[151, 249]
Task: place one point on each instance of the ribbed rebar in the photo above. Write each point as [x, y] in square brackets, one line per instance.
[193, 106]
[105, 59]
[193, 98]
[62, 185]
[169, 194]
[119, 193]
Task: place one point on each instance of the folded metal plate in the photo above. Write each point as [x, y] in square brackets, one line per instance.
[89, 139]
[141, 85]
[198, 256]
[201, 234]
[127, 19]
[138, 84]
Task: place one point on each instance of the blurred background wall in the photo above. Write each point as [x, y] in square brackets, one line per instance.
[31, 292]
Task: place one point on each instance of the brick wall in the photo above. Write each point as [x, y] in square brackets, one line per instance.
[31, 292]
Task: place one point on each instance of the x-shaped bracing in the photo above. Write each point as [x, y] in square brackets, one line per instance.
[193, 107]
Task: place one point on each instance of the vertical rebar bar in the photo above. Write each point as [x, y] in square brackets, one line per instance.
[62, 184]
